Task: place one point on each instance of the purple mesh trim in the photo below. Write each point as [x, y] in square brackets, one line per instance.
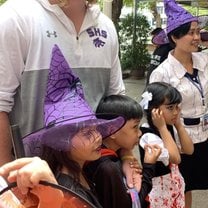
[59, 137]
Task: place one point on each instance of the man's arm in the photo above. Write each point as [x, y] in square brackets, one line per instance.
[5, 139]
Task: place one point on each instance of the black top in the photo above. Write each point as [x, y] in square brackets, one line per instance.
[158, 56]
[88, 194]
[106, 174]
[194, 76]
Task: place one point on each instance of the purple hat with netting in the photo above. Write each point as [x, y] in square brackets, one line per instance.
[66, 111]
[176, 16]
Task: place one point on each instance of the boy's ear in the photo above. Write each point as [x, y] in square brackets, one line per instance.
[114, 135]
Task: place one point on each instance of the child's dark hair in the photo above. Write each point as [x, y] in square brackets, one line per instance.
[161, 92]
[156, 31]
[179, 32]
[59, 159]
[120, 105]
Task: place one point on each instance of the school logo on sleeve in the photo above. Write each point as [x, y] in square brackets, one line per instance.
[98, 36]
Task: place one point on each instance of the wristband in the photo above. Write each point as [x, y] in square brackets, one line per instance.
[127, 157]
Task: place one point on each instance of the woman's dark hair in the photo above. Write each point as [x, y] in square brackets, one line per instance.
[156, 31]
[161, 92]
[178, 33]
[58, 159]
[120, 105]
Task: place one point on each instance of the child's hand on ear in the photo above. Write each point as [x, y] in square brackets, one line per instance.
[158, 118]
[178, 121]
[152, 152]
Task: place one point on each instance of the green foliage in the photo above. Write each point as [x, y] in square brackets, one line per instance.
[134, 53]
[195, 10]
[128, 2]
[2, 1]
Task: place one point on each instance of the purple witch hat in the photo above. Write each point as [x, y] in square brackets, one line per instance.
[176, 16]
[65, 111]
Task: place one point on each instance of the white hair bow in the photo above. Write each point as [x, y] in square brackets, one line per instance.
[146, 97]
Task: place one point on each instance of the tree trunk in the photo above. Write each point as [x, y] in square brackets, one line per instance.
[116, 10]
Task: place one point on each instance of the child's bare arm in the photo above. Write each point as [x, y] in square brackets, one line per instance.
[169, 143]
[187, 146]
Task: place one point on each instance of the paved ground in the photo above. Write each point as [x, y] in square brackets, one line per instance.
[134, 89]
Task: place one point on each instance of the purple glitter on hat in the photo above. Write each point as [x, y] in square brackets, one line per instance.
[176, 16]
[66, 111]
[64, 94]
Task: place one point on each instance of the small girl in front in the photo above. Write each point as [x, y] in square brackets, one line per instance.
[161, 104]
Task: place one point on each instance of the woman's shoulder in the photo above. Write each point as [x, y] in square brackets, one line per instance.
[87, 194]
[200, 55]
[200, 58]
[15, 8]
[200, 62]
[162, 72]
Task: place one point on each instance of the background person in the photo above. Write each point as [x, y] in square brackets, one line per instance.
[84, 35]
[106, 173]
[159, 54]
[186, 69]
[161, 103]
[204, 40]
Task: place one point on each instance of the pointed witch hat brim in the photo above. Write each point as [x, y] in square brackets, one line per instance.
[58, 135]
